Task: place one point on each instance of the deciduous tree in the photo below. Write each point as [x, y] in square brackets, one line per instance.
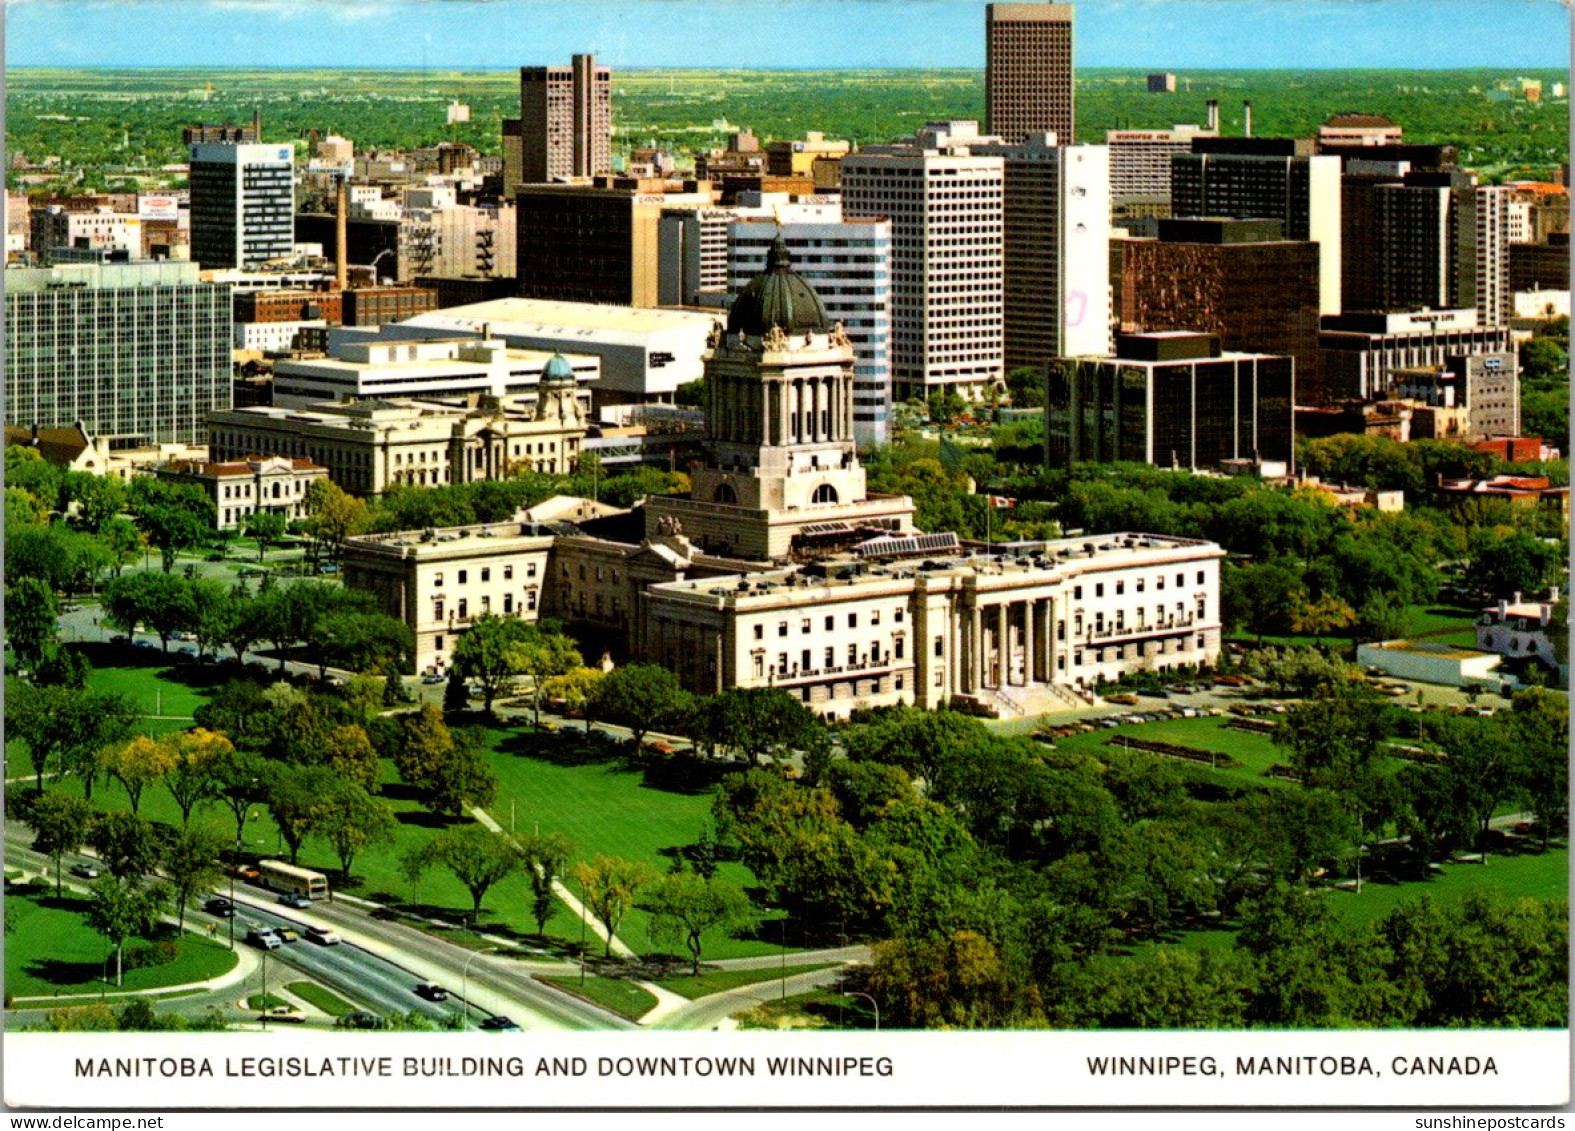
[609, 885]
[684, 907]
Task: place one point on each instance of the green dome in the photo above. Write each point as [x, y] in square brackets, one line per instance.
[778, 297]
[558, 369]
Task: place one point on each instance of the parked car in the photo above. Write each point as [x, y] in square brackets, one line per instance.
[219, 906]
[263, 937]
[431, 991]
[434, 677]
[282, 1013]
[361, 1019]
[499, 1024]
[88, 871]
[295, 900]
[1125, 700]
[323, 936]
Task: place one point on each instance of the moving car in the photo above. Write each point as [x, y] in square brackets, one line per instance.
[322, 936]
[282, 1013]
[286, 934]
[499, 1024]
[431, 991]
[295, 900]
[263, 937]
[219, 906]
[88, 871]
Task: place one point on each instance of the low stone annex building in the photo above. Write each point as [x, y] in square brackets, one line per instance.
[780, 570]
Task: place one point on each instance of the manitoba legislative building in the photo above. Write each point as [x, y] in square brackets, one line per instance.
[780, 569]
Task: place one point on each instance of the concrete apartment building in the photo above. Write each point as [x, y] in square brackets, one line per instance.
[1484, 388]
[1442, 242]
[370, 365]
[1172, 399]
[242, 204]
[1028, 71]
[1056, 237]
[848, 263]
[565, 123]
[136, 352]
[1362, 351]
[242, 488]
[595, 243]
[1238, 279]
[1267, 178]
[948, 256]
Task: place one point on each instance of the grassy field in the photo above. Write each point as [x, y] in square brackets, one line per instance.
[717, 981]
[164, 692]
[624, 998]
[326, 1000]
[52, 951]
[1539, 875]
[1255, 752]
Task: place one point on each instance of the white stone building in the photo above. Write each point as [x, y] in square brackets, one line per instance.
[241, 488]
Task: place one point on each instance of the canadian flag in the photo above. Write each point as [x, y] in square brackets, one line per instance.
[1001, 502]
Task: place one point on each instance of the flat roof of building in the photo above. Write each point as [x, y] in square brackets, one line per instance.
[533, 316]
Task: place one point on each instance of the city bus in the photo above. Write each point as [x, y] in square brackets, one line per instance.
[278, 876]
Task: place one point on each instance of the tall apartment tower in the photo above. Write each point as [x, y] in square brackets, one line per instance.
[1267, 178]
[945, 207]
[1056, 228]
[1028, 71]
[137, 352]
[242, 204]
[565, 121]
[848, 265]
[1443, 242]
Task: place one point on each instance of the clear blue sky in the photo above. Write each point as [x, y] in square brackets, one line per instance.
[776, 33]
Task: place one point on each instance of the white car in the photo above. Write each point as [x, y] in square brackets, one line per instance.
[322, 936]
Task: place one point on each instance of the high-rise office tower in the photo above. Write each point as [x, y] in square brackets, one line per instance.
[848, 264]
[242, 204]
[1140, 161]
[1443, 242]
[565, 121]
[1056, 232]
[1028, 71]
[944, 203]
[134, 351]
[1267, 178]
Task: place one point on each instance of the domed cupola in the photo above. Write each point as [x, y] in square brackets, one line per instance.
[778, 297]
[557, 371]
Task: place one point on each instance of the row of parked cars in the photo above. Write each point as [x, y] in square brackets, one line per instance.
[1126, 718]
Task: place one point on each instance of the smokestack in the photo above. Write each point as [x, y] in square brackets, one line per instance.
[1246, 119]
[341, 236]
[1214, 114]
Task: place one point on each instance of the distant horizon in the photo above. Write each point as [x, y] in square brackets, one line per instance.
[502, 68]
[484, 35]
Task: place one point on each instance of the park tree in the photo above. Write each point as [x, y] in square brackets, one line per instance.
[609, 886]
[191, 864]
[1026, 383]
[477, 858]
[447, 766]
[213, 611]
[296, 799]
[174, 516]
[641, 697]
[190, 776]
[1382, 616]
[361, 641]
[30, 620]
[125, 843]
[348, 751]
[685, 907]
[92, 501]
[122, 541]
[267, 528]
[1538, 729]
[352, 820]
[1321, 616]
[1507, 562]
[63, 728]
[576, 689]
[1482, 763]
[138, 764]
[757, 721]
[239, 781]
[332, 515]
[161, 600]
[239, 620]
[488, 654]
[541, 656]
[545, 855]
[125, 911]
[954, 982]
[60, 825]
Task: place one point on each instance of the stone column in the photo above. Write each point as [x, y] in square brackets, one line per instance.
[1003, 642]
[974, 643]
[1030, 611]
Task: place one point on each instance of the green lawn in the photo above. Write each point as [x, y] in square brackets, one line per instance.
[260, 1002]
[557, 784]
[313, 994]
[624, 998]
[157, 690]
[717, 981]
[1255, 752]
[1540, 875]
[52, 951]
